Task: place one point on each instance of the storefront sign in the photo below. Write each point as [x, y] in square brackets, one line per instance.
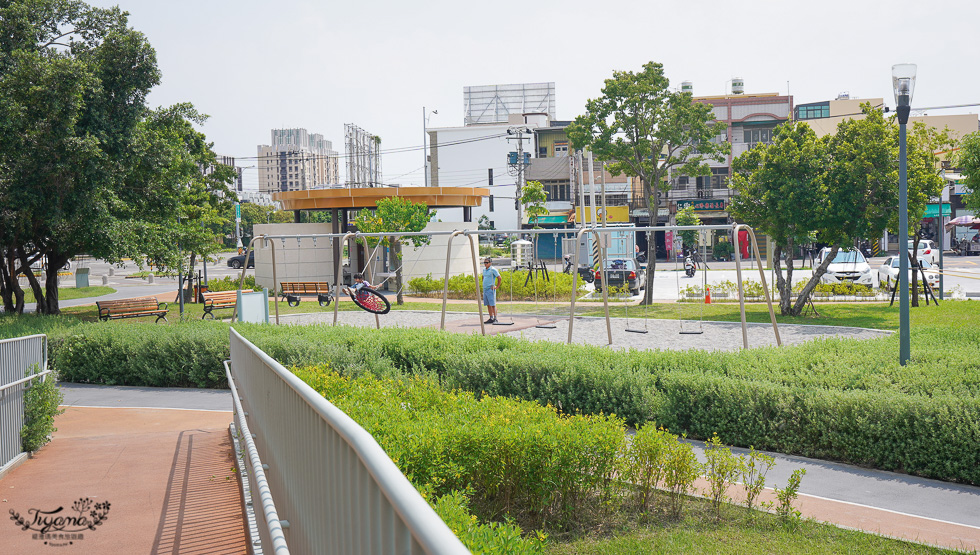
[703, 204]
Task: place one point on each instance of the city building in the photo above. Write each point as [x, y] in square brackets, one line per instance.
[297, 160]
[497, 120]
[751, 119]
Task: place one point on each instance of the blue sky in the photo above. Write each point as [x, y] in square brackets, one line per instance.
[253, 66]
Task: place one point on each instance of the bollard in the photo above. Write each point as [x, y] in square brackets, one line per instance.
[111, 271]
[707, 295]
[105, 280]
[149, 279]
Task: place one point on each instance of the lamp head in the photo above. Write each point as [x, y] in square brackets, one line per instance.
[903, 82]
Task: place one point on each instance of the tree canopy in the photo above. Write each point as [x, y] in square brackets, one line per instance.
[968, 161]
[85, 165]
[838, 189]
[644, 129]
[395, 215]
[533, 198]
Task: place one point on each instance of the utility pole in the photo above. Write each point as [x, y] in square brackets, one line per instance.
[518, 164]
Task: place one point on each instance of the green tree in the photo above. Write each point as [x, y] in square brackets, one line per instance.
[85, 166]
[686, 216]
[254, 214]
[968, 161]
[837, 189]
[645, 130]
[782, 191]
[396, 215]
[533, 197]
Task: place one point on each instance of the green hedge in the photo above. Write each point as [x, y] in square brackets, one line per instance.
[517, 459]
[935, 436]
[187, 354]
[837, 399]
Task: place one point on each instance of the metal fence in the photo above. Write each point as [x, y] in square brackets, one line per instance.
[16, 357]
[323, 483]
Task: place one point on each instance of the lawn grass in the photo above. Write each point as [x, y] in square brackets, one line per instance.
[955, 314]
[68, 293]
[744, 533]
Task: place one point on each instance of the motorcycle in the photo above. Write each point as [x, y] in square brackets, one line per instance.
[584, 272]
[689, 266]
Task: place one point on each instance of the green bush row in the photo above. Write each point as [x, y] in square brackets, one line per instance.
[820, 398]
[521, 460]
[934, 436]
[187, 354]
[230, 283]
[558, 286]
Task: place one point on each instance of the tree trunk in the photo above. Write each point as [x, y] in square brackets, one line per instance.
[397, 248]
[25, 263]
[190, 282]
[10, 289]
[781, 282]
[785, 286]
[650, 190]
[55, 263]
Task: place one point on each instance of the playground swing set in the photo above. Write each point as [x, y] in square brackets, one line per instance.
[373, 301]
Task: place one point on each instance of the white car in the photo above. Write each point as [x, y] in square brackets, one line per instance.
[888, 273]
[927, 250]
[848, 266]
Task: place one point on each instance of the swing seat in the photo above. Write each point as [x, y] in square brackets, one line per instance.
[636, 331]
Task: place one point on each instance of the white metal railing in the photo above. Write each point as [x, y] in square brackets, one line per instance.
[324, 484]
[16, 356]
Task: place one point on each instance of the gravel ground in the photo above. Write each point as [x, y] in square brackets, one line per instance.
[661, 334]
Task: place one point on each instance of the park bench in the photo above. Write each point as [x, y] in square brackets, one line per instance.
[132, 308]
[219, 299]
[291, 290]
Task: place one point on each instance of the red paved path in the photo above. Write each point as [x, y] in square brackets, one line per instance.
[167, 474]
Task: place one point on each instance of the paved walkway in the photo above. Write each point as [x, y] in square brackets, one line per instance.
[163, 459]
[168, 475]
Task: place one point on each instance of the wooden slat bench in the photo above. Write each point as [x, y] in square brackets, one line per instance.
[132, 308]
[219, 299]
[291, 290]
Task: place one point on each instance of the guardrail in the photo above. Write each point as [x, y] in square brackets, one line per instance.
[16, 356]
[323, 483]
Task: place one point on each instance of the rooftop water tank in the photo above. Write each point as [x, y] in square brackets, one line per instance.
[738, 85]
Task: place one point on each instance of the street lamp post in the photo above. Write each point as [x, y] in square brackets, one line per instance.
[903, 81]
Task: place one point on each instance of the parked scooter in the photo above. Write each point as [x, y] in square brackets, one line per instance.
[584, 272]
[689, 265]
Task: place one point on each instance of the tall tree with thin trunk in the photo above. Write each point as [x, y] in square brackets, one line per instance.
[395, 215]
[644, 129]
